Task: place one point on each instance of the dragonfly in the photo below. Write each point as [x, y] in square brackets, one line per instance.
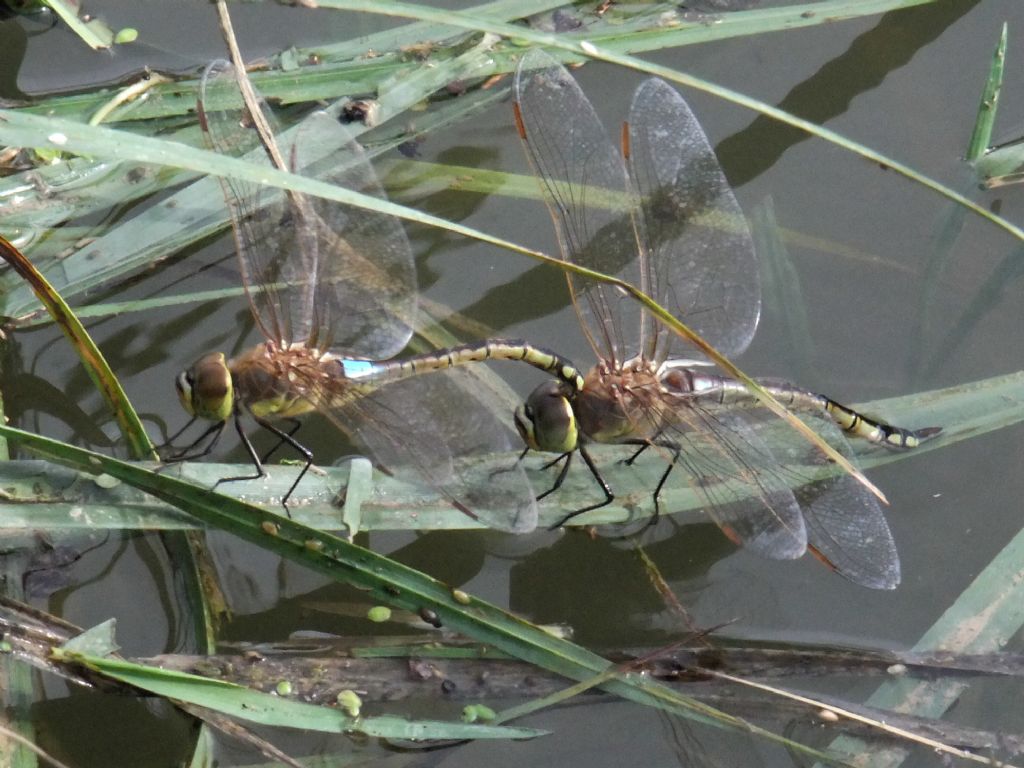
[662, 216]
[333, 292]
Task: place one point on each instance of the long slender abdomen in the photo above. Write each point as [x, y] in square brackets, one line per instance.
[494, 349]
[727, 391]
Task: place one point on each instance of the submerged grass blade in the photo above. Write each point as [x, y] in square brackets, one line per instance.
[781, 287]
[280, 711]
[883, 727]
[40, 495]
[979, 621]
[79, 187]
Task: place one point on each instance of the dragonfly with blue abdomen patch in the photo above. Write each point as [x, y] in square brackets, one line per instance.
[333, 291]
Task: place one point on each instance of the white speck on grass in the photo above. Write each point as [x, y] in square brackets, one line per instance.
[106, 481]
[57, 138]
[588, 47]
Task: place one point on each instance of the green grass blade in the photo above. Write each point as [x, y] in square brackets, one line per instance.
[672, 33]
[394, 40]
[981, 136]
[92, 359]
[94, 33]
[183, 549]
[391, 583]
[347, 71]
[278, 710]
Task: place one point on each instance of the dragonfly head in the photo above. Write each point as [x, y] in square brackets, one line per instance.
[546, 421]
[205, 389]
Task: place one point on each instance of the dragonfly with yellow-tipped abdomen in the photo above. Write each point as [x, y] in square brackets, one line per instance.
[332, 289]
[661, 215]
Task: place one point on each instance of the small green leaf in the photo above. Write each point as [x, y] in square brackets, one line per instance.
[126, 35]
[350, 702]
[379, 614]
[475, 712]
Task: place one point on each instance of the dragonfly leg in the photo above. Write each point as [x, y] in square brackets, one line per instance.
[555, 460]
[169, 442]
[295, 424]
[561, 474]
[609, 497]
[260, 471]
[284, 437]
[505, 470]
[644, 445]
[189, 452]
[676, 450]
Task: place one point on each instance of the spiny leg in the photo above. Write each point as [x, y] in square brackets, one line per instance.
[283, 437]
[561, 473]
[644, 444]
[188, 453]
[253, 456]
[505, 470]
[168, 443]
[295, 424]
[609, 497]
[286, 437]
[636, 454]
[544, 467]
[676, 450]
[554, 461]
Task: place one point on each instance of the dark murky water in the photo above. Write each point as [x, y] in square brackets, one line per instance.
[861, 238]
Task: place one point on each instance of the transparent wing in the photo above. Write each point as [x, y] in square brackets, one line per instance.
[845, 524]
[365, 278]
[583, 178]
[256, 218]
[731, 467]
[315, 271]
[441, 427]
[702, 262]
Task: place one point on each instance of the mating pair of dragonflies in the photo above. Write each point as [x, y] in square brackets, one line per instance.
[333, 291]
